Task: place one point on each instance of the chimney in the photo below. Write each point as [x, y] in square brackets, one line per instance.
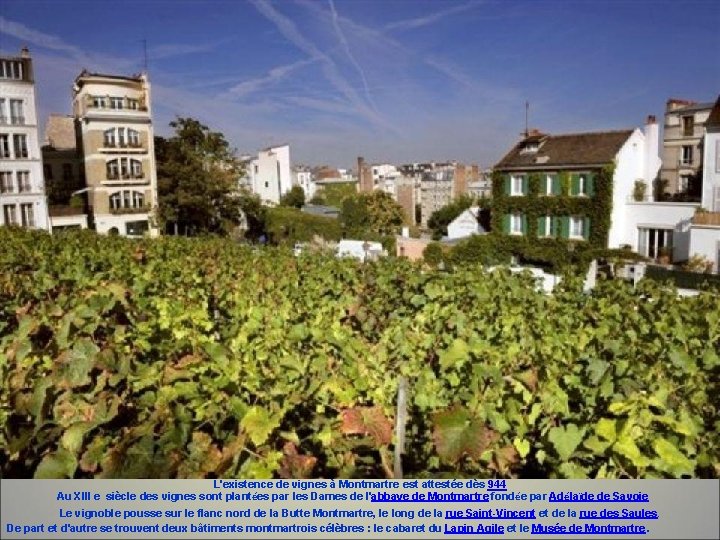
[459, 180]
[652, 151]
[24, 52]
[674, 104]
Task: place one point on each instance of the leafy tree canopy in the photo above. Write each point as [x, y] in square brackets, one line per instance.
[374, 212]
[294, 198]
[198, 180]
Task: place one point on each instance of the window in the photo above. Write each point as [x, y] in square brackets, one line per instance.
[133, 137]
[136, 168]
[121, 137]
[688, 125]
[99, 102]
[516, 224]
[112, 169]
[109, 137]
[687, 155]
[4, 145]
[3, 117]
[23, 181]
[21, 147]
[583, 184]
[549, 184]
[10, 214]
[683, 183]
[577, 227]
[6, 182]
[516, 185]
[67, 171]
[127, 199]
[136, 228]
[47, 171]
[116, 103]
[132, 104]
[11, 69]
[654, 243]
[16, 112]
[545, 227]
[28, 215]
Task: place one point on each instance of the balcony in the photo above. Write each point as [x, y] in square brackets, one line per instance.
[125, 177]
[706, 218]
[122, 211]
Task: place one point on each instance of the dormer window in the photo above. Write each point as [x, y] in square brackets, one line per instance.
[530, 147]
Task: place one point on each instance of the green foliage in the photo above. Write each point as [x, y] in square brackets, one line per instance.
[295, 198]
[434, 253]
[335, 194]
[441, 218]
[197, 179]
[200, 358]
[288, 226]
[375, 213]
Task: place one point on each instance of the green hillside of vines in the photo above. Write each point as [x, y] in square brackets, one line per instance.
[203, 358]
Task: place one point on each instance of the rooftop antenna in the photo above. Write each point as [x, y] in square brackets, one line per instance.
[527, 107]
[145, 55]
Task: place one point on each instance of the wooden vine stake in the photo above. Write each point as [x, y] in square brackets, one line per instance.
[400, 419]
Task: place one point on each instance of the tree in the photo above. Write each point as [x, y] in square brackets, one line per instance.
[198, 180]
[441, 218]
[294, 198]
[374, 212]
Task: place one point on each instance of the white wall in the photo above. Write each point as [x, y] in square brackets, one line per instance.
[711, 172]
[675, 216]
[270, 173]
[466, 224]
[105, 222]
[13, 89]
[705, 241]
[305, 180]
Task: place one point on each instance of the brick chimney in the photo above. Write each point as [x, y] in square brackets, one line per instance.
[459, 180]
[365, 179]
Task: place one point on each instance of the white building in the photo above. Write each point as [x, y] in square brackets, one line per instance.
[383, 171]
[705, 228]
[466, 224]
[22, 189]
[269, 173]
[303, 177]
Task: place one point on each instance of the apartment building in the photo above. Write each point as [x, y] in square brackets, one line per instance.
[682, 152]
[64, 174]
[269, 173]
[115, 134]
[437, 189]
[22, 190]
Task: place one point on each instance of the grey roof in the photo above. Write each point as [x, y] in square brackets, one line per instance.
[714, 118]
[575, 149]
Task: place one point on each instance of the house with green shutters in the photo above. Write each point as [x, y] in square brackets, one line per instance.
[573, 188]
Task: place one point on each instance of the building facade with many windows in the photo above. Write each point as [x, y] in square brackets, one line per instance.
[682, 152]
[22, 190]
[115, 133]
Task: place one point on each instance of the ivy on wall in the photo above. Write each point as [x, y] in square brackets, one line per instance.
[535, 204]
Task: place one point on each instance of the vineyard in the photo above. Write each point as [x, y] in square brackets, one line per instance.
[202, 358]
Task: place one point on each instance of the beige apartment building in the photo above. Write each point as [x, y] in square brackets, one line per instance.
[115, 135]
[682, 152]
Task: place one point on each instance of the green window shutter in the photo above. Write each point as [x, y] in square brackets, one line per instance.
[525, 185]
[574, 184]
[506, 181]
[591, 184]
[586, 228]
[564, 227]
[506, 224]
[524, 224]
[555, 184]
[541, 226]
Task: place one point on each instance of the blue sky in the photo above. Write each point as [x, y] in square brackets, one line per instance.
[394, 81]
